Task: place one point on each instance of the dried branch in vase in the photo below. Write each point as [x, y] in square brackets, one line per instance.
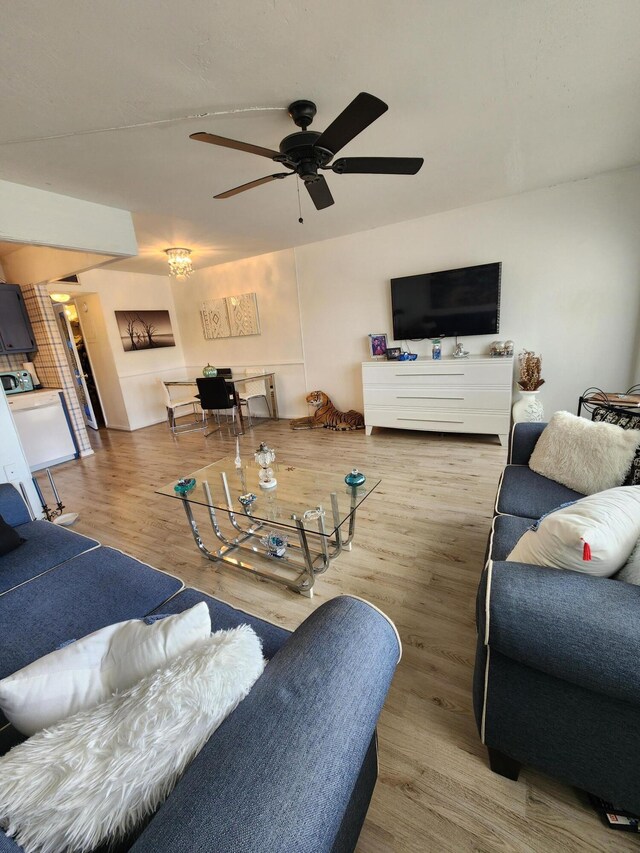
[530, 370]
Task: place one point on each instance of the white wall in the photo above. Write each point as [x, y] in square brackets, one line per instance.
[29, 215]
[14, 467]
[138, 373]
[570, 290]
[570, 284]
[279, 346]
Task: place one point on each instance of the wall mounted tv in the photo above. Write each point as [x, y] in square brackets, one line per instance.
[443, 304]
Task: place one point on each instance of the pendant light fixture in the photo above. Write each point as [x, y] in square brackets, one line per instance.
[179, 262]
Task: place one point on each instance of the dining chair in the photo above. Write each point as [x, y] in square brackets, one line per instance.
[173, 411]
[216, 395]
[254, 389]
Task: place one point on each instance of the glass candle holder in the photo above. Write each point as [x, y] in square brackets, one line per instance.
[264, 456]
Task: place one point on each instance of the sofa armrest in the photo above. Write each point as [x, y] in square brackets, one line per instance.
[523, 439]
[279, 773]
[579, 628]
[12, 508]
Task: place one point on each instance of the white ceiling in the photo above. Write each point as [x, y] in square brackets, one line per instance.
[498, 96]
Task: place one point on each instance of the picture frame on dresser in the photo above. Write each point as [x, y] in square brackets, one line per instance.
[377, 345]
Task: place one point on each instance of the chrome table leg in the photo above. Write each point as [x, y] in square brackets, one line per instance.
[274, 397]
[306, 586]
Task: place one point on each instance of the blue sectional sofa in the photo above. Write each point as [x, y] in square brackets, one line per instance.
[555, 683]
[292, 769]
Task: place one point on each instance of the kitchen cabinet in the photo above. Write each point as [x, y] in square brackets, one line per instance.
[16, 334]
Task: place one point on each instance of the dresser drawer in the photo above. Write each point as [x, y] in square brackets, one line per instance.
[431, 374]
[416, 397]
[444, 420]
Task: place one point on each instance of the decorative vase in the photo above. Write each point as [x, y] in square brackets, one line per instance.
[528, 408]
[209, 371]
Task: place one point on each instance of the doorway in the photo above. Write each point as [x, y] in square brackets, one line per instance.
[79, 364]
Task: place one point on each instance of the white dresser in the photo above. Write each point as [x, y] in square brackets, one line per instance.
[450, 395]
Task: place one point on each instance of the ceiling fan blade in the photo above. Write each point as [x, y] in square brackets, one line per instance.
[361, 112]
[253, 184]
[233, 143]
[320, 193]
[377, 165]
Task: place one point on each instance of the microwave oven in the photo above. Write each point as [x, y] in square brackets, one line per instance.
[15, 381]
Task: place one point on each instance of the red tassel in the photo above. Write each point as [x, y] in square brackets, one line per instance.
[586, 552]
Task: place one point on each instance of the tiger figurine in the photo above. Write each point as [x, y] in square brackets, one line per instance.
[327, 416]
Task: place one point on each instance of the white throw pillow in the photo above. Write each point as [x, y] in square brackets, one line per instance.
[630, 572]
[584, 455]
[93, 777]
[594, 535]
[88, 671]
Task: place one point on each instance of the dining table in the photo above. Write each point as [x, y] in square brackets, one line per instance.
[236, 379]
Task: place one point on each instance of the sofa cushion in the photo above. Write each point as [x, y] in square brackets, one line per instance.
[223, 616]
[46, 545]
[594, 535]
[115, 763]
[10, 539]
[84, 673]
[523, 441]
[12, 508]
[585, 456]
[527, 494]
[85, 593]
[506, 530]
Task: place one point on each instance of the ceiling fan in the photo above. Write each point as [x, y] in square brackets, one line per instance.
[306, 151]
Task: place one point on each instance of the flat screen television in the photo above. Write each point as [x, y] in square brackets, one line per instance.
[443, 304]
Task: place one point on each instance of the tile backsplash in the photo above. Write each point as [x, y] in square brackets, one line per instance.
[13, 362]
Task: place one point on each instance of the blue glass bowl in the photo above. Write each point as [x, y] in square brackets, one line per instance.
[355, 478]
[185, 485]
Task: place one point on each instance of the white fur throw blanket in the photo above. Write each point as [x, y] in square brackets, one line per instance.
[95, 775]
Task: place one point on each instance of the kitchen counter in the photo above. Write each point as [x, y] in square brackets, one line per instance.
[27, 399]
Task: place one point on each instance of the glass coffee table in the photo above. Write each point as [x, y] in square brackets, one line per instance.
[295, 529]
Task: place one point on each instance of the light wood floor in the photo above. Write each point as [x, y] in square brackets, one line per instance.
[417, 555]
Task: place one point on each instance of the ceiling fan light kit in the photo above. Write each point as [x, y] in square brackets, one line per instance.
[307, 151]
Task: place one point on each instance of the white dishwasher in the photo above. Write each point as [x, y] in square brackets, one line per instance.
[43, 425]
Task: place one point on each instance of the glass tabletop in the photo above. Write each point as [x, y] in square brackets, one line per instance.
[298, 494]
[232, 379]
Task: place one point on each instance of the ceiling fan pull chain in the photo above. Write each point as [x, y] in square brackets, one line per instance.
[300, 220]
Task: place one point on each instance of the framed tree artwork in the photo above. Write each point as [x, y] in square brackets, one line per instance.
[140, 330]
